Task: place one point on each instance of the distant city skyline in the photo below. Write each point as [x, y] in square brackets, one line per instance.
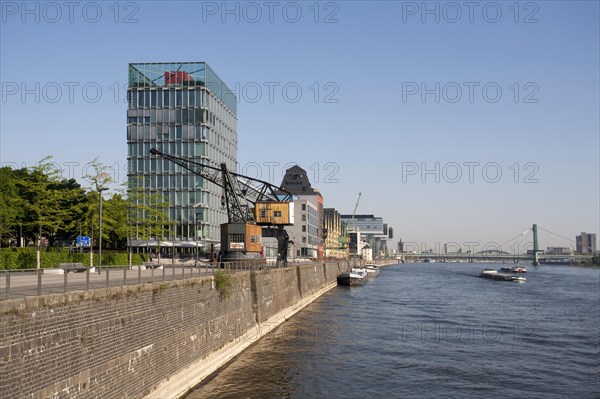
[464, 127]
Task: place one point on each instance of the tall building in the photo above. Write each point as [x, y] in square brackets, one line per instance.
[586, 243]
[307, 231]
[355, 242]
[400, 246]
[183, 109]
[333, 231]
[373, 231]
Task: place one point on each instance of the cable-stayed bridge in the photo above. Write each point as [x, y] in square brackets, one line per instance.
[496, 252]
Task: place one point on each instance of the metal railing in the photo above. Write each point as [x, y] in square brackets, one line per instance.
[35, 282]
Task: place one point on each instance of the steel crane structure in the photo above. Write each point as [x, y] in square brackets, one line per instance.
[255, 209]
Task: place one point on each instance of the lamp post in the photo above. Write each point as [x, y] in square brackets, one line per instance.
[100, 180]
[196, 227]
[197, 212]
[100, 189]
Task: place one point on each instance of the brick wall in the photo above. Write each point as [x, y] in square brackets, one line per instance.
[121, 342]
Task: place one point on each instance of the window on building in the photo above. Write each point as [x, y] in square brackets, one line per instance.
[304, 228]
[263, 213]
[303, 207]
[277, 214]
[236, 238]
[304, 218]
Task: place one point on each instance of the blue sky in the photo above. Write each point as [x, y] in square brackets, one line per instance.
[511, 97]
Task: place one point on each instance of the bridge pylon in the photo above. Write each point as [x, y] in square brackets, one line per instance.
[536, 248]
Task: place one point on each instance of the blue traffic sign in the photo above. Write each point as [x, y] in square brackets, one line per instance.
[83, 241]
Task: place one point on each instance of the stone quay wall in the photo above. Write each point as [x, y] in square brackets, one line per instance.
[125, 342]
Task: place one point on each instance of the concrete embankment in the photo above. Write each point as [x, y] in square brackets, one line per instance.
[387, 263]
[151, 340]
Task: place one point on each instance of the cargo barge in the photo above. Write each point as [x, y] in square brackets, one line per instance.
[494, 275]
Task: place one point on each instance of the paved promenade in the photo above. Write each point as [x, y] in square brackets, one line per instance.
[18, 284]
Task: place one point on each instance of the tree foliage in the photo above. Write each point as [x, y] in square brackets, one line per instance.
[9, 203]
[39, 207]
[50, 204]
[148, 216]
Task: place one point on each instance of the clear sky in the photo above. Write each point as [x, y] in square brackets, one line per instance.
[458, 121]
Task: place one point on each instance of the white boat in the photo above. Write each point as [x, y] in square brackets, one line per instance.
[372, 269]
[514, 269]
[356, 276]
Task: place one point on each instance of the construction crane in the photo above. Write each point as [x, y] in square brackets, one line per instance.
[345, 238]
[255, 209]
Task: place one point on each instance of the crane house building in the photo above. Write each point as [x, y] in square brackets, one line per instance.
[185, 110]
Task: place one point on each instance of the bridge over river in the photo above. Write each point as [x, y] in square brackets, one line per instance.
[535, 256]
[496, 256]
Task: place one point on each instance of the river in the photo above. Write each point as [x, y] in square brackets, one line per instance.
[431, 331]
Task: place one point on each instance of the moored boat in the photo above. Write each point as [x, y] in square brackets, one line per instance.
[356, 276]
[372, 269]
[514, 269]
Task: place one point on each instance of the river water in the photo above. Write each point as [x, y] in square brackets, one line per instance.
[431, 331]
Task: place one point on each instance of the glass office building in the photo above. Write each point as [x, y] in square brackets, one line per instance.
[183, 109]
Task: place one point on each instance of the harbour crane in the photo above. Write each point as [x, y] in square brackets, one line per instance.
[255, 209]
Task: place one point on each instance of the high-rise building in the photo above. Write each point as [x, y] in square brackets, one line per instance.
[586, 243]
[373, 230]
[307, 231]
[333, 232]
[183, 109]
[400, 246]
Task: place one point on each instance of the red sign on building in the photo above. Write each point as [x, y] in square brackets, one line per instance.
[177, 77]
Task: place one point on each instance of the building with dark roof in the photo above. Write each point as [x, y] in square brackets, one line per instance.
[307, 231]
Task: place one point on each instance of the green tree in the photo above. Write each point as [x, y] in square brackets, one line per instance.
[9, 203]
[99, 180]
[76, 203]
[148, 216]
[46, 200]
[115, 221]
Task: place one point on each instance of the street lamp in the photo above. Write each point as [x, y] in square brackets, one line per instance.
[196, 227]
[197, 212]
[100, 189]
[99, 180]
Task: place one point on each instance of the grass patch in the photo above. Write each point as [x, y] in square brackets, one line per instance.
[160, 289]
[224, 284]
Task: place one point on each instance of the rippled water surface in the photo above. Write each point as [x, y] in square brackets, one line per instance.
[432, 331]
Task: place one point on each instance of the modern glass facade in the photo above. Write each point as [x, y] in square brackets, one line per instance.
[372, 229]
[183, 109]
